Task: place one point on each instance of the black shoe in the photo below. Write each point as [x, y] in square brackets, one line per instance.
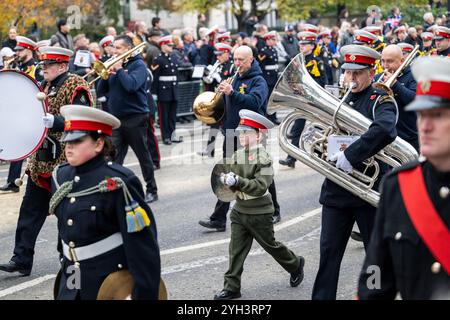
[205, 153]
[356, 236]
[11, 266]
[10, 187]
[177, 140]
[151, 197]
[287, 162]
[227, 295]
[156, 166]
[211, 224]
[276, 218]
[297, 276]
[167, 141]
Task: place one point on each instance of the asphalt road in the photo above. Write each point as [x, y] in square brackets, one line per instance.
[193, 258]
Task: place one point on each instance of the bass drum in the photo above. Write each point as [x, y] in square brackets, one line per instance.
[22, 130]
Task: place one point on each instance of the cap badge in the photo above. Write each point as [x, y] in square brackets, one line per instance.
[352, 57]
[425, 86]
[67, 125]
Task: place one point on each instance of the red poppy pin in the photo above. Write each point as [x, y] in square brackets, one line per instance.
[111, 184]
[373, 96]
[251, 158]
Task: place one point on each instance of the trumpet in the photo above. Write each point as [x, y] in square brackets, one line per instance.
[387, 85]
[102, 68]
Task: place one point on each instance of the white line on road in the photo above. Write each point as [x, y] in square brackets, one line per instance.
[279, 227]
[26, 285]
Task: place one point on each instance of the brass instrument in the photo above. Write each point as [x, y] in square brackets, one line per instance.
[102, 68]
[209, 106]
[386, 86]
[297, 91]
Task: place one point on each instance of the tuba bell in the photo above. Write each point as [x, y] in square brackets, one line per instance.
[325, 114]
[209, 106]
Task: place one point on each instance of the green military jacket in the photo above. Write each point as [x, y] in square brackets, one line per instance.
[254, 168]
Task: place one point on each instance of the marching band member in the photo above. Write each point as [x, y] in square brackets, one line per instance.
[104, 223]
[406, 48]
[106, 43]
[442, 40]
[404, 89]
[61, 88]
[427, 49]
[340, 207]
[409, 244]
[250, 173]
[268, 59]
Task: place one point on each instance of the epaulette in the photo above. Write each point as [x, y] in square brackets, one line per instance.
[121, 169]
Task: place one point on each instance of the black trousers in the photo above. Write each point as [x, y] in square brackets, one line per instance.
[296, 132]
[337, 224]
[167, 111]
[213, 132]
[133, 132]
[33, 211]
[153, 143]
[221, 209]
[15, 168]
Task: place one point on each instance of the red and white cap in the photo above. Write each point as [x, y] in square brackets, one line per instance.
[222, 48]
[43, 43]
[376, 30]
[80, 120]
[165, 40]
[406, 47]
[213, 30]
[400, 29]
[432, 74]
[25, 43]
[224, 36]
[253, 120]
[270, 35]
[427, 36]
[441, 32]
[106, 41]
[357, 57]
[307, 37]
[325, 34]
[365, 37]
[51, 55]
[307, 27]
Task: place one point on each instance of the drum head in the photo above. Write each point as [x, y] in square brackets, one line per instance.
[21, 127]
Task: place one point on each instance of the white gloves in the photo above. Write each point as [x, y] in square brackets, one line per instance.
[48, 120]
[229, 179]
[342, 162]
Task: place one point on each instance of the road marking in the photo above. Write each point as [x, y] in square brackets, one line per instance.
[278, 227]
[26, 285]
[221, 259]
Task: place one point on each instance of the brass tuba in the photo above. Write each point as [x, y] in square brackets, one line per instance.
[209, 106]
[297, 91]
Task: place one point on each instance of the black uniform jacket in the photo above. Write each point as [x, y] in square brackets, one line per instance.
[396, 248]
[370, 103]
[98, 216]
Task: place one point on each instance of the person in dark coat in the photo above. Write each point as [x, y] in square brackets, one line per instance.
[341, 208]
[408, 255]
[104, 223]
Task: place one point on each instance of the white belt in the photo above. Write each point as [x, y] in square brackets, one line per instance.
[271, 67]
[94, 249]
[168, 78]
[244, 196]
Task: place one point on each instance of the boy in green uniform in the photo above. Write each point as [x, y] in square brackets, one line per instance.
[250, 173]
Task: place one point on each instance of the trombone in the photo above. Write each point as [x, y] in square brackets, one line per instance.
[102, 68]
[386, 86]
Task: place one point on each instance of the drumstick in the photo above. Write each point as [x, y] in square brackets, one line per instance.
[41, 96]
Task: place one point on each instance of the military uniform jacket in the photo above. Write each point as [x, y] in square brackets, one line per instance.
[268, 59]
[225, 71]
[405, 262]
[165, 77]
[65, 89]
[445, 53]
[30, 68]
[314, 65]
[376, 106]
[254, 168]
[88, 219]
